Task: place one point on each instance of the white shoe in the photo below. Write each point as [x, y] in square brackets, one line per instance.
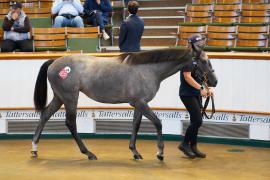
[105, 35]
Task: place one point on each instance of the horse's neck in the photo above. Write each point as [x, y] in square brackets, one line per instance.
[166, 69]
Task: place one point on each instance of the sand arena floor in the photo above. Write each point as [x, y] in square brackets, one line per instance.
[61, 159]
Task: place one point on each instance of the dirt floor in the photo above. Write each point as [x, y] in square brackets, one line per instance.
[61, 159]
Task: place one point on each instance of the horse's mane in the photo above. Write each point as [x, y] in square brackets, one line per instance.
[153, 56]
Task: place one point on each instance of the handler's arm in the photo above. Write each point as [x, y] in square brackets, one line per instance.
[191, 81]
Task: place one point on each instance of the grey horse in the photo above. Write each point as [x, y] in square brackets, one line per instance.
[132, 78]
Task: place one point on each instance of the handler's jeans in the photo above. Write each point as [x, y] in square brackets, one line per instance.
[61, 21]
[98, 20]
[193, 106]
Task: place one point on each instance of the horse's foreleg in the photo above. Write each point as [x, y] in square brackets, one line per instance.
[143, 108]
[71, 124]
[55, 104]
[135, 127]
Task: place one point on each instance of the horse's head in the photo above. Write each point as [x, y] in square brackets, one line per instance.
[204, 71]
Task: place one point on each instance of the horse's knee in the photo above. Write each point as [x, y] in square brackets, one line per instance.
[43, 116]
[136, 123]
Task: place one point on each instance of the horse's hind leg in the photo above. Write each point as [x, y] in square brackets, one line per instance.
[71, 124]
[45, 115]
[143, 108]
[135, 127]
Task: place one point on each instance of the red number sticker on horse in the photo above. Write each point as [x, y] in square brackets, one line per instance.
[64, 72]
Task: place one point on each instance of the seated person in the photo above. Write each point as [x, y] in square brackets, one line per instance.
[97, 12]
[67, 13]
[16, 28]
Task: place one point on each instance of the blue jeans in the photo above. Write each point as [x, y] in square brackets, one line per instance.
[98, 20]
[61, 21]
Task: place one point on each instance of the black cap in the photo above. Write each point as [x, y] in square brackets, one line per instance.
[16, 5]
[195, 38]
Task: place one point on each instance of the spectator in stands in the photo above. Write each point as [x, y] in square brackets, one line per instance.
[191, 93]
[131, 30]
[97, 12]
[67, 12]
[16, 28]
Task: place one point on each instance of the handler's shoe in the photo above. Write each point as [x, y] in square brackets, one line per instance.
[197, 152]
[186, 150]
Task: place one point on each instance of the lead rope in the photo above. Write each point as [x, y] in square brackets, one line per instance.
[206, 104]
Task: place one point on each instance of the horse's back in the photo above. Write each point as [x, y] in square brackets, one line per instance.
[106, 80]
[96, 77]
[74, 64]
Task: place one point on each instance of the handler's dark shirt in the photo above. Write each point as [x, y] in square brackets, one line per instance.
[185, 88]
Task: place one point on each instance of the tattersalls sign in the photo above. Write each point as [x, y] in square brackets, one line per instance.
[128, 114]
[31, 114]
[224, 117]
[170, 118]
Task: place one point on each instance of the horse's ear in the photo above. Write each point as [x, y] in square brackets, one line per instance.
[210, 64]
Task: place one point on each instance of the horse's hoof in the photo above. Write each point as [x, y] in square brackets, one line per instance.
[92, 157]
[160, 157]
[137, 156]
[34, 154]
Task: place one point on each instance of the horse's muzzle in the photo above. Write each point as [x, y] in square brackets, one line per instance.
[215, 83]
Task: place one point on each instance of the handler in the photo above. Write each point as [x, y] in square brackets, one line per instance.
[191, 92]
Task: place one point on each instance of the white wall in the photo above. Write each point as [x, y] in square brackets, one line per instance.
[243, 85]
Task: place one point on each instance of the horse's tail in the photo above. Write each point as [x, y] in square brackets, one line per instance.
[40, 93]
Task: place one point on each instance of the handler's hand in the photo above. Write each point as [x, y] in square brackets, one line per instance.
[210, 91]
[14, 16]
[203, 93]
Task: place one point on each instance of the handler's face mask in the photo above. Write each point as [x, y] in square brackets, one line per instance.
[197, 41]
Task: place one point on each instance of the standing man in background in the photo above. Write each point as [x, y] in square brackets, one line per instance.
[97, 12]
[17, 28]
[67, 13]
[131, 30]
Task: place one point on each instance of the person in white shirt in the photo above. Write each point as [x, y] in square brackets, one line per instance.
[67, 13]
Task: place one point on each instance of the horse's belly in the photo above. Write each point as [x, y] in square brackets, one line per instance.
[105, 98]
[106, 92]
